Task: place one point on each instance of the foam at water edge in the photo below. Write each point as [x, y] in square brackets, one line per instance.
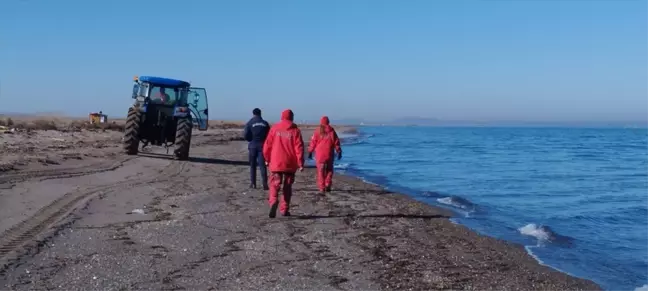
[642, 288]
[541, 262]
[457, 202]
[342, 166]
[371, 183]
[458, 207]
[533, 230]
[447, 201]
[530, 252]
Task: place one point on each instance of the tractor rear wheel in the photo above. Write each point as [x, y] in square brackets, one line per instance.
[131, 131]
[183, 138]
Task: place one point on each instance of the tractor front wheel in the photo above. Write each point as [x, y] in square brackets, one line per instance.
[131, 131]
[183, 138]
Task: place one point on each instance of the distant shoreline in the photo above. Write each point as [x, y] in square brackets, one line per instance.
[414, 122]
[539, 125]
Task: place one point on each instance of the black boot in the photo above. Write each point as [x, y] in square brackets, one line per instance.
[273, 210]
[252, 186]
[287, 213]
[328, 189]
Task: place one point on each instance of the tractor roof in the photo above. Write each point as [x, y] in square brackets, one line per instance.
[164, 81]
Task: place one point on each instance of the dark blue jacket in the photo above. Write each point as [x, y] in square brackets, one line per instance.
[256, 131]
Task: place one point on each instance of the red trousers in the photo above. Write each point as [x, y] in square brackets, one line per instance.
[276, 181]
[324, 175]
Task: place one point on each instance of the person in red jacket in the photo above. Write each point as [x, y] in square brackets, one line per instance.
[324, 142]
[283, 151]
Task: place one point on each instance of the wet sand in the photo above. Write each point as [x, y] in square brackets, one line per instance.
[68, 224]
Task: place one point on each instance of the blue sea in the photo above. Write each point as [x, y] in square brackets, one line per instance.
[576, 198]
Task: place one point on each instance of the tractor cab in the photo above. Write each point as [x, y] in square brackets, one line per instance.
[172, 98]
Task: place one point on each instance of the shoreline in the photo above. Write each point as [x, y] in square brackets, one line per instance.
[454, 214]
[202, 227]
[522, 194]
[356, 132]
[449, 213]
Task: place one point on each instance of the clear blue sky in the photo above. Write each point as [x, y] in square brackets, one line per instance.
[453, 59]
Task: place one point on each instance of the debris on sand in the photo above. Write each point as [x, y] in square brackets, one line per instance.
[7, 130]
[48, 161]
[4, 167]
[138, 211]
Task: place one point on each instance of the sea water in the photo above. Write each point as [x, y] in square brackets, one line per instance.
[576, 198]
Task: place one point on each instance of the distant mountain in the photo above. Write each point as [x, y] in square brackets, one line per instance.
[427, 121]
[398, 121]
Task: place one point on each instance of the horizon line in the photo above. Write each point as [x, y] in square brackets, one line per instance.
[402, 121]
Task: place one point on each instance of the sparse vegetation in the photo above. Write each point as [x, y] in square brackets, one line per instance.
[77, 124]
[221, 124]
[57, 123]
[6, 121]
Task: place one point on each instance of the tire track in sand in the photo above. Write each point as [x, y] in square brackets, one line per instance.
[67, 172]
[48, 216]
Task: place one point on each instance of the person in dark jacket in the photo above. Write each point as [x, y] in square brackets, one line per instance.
[256, 131]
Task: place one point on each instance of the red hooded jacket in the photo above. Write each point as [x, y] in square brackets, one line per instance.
[284, 147]
[324, 141]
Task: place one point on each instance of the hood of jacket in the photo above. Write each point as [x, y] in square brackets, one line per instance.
[286, 120]
[287, 115]
[325, 120]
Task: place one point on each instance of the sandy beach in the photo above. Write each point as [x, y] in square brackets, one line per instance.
[77, 214]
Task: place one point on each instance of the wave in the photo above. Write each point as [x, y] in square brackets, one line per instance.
[354, 142]
[458, 202]
[529, 250]
[342, 166]
[459, 205]
[343, 136]
[642, 288]
[356, 138]
[368, 177]
[544, 234]
[352, 130]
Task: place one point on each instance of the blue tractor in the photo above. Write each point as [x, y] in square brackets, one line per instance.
[164, 114]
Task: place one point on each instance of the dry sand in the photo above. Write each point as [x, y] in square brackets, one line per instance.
[66, 213]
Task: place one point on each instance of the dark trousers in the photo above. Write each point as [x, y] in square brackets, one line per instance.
[256, 158]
